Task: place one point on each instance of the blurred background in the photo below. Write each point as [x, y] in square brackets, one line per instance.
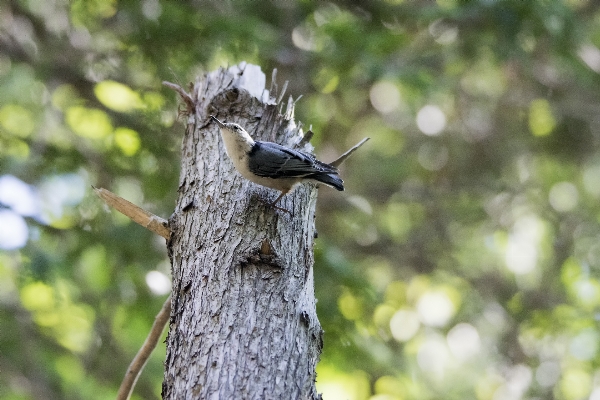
[461, 262]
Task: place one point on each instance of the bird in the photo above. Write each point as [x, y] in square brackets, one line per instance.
[273, 165]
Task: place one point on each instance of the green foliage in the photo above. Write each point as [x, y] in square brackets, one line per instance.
[463, 259]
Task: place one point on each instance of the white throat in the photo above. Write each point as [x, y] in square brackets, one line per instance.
[237, 145]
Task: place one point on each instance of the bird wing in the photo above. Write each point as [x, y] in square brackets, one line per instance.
[275, 161]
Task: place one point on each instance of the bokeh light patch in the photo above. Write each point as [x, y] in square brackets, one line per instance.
[563, 196]
[463, 341]
[385, 97]
[158, 282]
[431, 120]
[13, 230]
[404, 325]
[435, 308]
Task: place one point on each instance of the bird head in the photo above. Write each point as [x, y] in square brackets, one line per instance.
[233, 129]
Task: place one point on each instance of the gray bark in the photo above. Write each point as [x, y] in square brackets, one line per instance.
[243, 321]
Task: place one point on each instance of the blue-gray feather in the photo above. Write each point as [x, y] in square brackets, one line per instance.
[275, 161]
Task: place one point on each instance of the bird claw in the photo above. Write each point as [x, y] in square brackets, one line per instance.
[281, 208]
[272, 205]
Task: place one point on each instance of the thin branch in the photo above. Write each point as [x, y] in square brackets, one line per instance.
[138, 215]
[343, 157]
[140, 359]
[187, 99]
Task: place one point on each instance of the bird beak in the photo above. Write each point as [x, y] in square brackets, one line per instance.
[221, 125]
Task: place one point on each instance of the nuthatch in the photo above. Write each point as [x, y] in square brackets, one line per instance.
[273, 165]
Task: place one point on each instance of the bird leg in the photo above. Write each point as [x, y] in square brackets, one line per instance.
[272, 204]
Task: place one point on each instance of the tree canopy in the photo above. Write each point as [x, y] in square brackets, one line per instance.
[462, 261]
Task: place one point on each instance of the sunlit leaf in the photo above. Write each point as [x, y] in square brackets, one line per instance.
[541, 119]
[117, 96]
[17, 120]
[89, 122]
[127, 140]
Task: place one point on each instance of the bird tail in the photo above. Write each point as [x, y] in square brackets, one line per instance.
[330, 179]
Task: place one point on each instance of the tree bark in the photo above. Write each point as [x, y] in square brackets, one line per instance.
[243, 321]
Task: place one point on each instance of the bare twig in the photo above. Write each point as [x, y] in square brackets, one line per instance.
[140, 359]
[187, 99]
[343, 157]
[138, 215]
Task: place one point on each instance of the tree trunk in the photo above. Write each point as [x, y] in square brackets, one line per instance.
[243, 321]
